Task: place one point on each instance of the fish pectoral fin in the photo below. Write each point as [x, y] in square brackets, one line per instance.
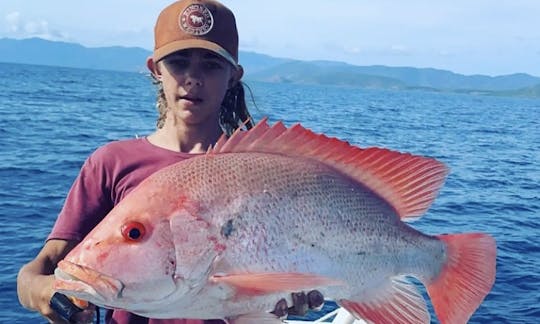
[196, 246]
[262, 318]
[253, 284]
[396, 301]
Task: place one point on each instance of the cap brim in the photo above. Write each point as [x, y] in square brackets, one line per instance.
[192, 43]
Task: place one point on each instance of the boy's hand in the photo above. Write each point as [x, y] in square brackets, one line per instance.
[302, 302]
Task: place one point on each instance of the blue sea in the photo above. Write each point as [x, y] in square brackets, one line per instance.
[52, 118]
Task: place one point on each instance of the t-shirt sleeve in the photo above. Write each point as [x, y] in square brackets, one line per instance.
[87, 202]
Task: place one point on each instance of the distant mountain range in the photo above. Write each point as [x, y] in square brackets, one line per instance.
[265, 68]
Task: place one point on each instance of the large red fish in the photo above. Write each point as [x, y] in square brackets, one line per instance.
[276, 210]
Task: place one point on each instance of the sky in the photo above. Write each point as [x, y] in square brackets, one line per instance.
[464, 36]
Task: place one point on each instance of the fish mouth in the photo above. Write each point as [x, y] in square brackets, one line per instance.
[85, 283]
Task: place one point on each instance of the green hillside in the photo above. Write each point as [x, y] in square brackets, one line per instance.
[260, 67]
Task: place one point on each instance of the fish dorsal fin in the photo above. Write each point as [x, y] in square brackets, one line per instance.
[408, 182]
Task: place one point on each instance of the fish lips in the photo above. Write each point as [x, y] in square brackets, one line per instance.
[85, 283]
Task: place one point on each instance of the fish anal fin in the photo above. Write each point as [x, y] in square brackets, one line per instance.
[253, 284]
[408, 182]
[398, 302]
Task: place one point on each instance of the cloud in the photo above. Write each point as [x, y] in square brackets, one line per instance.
[352, 50]
[15, 26]
[12, 21]
[391, 50]
[252, 43]
[398, 50]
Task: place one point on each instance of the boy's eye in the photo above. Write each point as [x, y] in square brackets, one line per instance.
[212, 65]
[176, 62]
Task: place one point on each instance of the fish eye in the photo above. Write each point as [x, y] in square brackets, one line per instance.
[133, 231]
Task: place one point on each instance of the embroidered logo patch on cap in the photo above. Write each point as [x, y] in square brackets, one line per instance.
[196, 20]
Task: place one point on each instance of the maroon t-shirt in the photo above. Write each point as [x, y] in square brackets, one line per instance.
[106, 177]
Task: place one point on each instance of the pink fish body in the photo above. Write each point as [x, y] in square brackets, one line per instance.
[276, 210]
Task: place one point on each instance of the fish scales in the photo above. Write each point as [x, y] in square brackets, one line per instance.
[280, 219]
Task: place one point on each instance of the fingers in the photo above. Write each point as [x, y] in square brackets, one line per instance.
[86, 316]
[52, 316]
[315, 300]
[302, 302]
[40, 297]
[282, 309]
[44, 306]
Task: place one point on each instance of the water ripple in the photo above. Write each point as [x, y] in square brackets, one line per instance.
[52, 118]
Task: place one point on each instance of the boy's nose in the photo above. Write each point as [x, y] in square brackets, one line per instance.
[193, 77]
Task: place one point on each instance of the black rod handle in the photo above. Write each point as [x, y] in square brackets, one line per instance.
[63, 306]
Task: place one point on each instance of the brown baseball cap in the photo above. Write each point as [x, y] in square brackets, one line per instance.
[204, 24]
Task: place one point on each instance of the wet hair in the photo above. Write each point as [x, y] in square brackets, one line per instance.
[233, 112]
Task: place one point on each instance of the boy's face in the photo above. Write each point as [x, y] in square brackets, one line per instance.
[195, 82]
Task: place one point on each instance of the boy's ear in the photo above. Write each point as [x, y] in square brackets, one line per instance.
[236, 76]
[153, 67]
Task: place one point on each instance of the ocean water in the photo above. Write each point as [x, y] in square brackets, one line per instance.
[52, 118]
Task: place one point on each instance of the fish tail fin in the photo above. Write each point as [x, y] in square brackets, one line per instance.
[466, 277]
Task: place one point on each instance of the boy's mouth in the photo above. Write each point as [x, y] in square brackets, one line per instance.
[193, 99]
